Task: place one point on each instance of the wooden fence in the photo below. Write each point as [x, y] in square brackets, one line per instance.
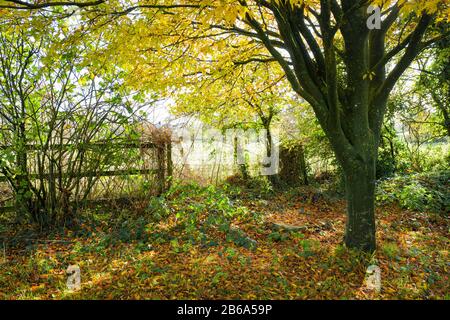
[163, 171]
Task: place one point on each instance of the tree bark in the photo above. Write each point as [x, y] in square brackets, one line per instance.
[273, 178]
[360, 194]
[293, 169]
[22, 188]
[239, 159]
[303, 165]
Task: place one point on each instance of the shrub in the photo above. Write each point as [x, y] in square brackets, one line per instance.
[257, 187]
[419, 192]
[199, 210]
[158, 208]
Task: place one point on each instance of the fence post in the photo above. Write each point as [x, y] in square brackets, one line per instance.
[160, 156]
[169, 164]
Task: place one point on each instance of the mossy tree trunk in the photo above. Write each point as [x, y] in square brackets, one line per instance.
[273, 178]
[293, 169]
[239, 158]
[360, 194]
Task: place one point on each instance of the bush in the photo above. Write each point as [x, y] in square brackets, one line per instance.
[202, 210]
[435, 157]
[386, 165]
[259, 186]
[158, 208]
[419, 192]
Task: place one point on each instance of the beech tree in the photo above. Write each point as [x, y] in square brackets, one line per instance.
[342, 66]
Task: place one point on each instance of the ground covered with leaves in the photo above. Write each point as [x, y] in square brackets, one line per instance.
[226, 243]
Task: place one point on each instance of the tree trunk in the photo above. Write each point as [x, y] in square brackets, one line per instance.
[22, 188]
[303, 165]
[360, 193]
[273, 178]
[293, 165]
[239, 159]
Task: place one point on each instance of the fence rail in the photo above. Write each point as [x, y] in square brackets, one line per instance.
[111, 173]
[57, 146]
